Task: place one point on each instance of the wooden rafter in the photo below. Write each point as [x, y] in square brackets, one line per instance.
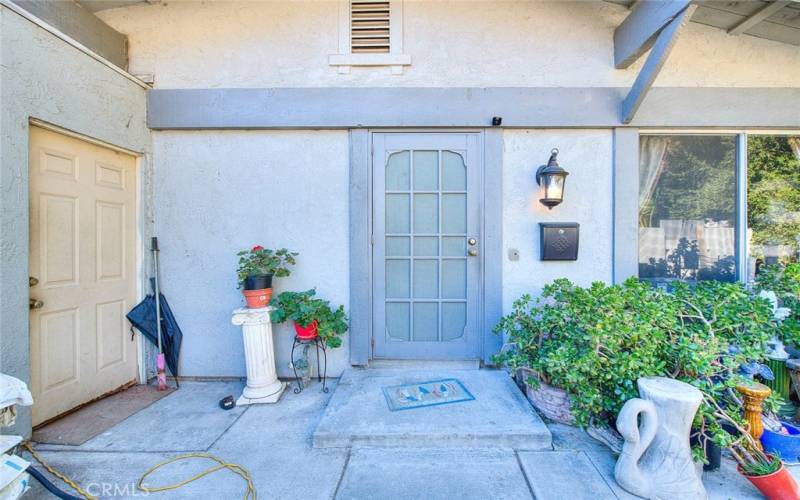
[638, 32]
[758, 16]
[662, 46]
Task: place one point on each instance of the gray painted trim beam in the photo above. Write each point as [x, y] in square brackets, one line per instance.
[639, 30]
[492, 241]
[741, 208]
[81, 25]
[758, 16]
[626, 204]
[375, 107]
[360, 248]
[655, 61]
[345, 108]
[98, 5]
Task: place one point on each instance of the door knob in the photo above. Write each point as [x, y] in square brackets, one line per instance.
[33, 281]
[472, 242]
[35, 304]
[472, 252]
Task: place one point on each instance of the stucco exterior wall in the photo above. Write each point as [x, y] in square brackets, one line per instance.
[588, 200]
[221, 192]
[42, 77]
[207, 181]
[462, 43]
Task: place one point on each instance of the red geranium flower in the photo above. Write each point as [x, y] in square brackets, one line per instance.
[257, 248]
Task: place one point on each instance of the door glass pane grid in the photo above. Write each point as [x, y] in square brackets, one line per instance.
[439, 241]
[424, 307]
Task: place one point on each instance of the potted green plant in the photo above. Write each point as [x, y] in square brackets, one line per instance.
[770, 476]
[564, 339]
[594, 343]
[764, 471]
[257, 267]
[313, 317]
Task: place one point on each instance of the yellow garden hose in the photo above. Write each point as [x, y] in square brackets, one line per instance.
[75, 486]
[250, 493]
[238, 469]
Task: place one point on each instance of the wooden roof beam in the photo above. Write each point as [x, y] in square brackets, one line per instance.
[638, 32]
[758, 16]
[662, 46]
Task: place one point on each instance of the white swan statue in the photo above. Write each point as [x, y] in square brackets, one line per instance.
[656, 459]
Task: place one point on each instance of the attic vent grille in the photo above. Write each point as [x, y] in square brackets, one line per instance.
[369, 27]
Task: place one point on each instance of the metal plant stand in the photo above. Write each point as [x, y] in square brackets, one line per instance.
[322, 375]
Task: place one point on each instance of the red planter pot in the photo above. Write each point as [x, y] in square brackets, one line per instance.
[780, 485]
[308, 332]
[256, 299]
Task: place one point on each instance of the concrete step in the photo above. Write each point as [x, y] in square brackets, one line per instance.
[432, 474]
[499, 417]
[419, 365]
[556, 475]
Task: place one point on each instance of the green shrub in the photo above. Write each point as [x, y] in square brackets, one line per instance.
[593, 342]
[784, 280]
[596, 342]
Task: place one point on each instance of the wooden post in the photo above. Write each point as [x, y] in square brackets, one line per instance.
[754, 395]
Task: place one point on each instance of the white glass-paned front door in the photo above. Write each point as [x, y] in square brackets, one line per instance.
[426, 252]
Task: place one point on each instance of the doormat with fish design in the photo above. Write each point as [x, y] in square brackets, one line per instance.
[433, 393]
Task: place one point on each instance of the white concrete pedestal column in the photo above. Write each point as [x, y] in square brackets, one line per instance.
[263, 385]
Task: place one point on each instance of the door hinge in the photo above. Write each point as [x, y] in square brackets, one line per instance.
[372, 342]
[372, 240]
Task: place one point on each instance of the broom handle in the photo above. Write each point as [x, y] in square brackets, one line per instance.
[154, 248]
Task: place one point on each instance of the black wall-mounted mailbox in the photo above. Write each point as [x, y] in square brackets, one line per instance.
[558, 241]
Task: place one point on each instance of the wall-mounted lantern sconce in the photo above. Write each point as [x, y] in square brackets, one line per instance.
[551, 177]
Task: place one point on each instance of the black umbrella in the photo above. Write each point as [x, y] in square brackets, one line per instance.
[143, 318]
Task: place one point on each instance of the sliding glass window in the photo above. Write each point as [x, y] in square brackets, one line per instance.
[689, 205]
[773, 201]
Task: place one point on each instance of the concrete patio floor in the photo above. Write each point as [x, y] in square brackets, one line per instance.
[274, 442]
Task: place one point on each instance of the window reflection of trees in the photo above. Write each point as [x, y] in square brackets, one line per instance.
[773, 200]
[687, 207]
[683, 263]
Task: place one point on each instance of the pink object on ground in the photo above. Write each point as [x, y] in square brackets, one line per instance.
[162, 375]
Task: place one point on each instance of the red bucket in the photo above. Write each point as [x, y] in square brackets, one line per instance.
[308, 332]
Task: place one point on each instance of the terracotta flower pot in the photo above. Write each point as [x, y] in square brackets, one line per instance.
[780, 485]
[256, 299]
[308, 332]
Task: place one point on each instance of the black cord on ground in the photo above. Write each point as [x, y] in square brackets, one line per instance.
[50, 486]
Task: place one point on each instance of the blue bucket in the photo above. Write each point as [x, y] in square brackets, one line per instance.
[788, 447]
